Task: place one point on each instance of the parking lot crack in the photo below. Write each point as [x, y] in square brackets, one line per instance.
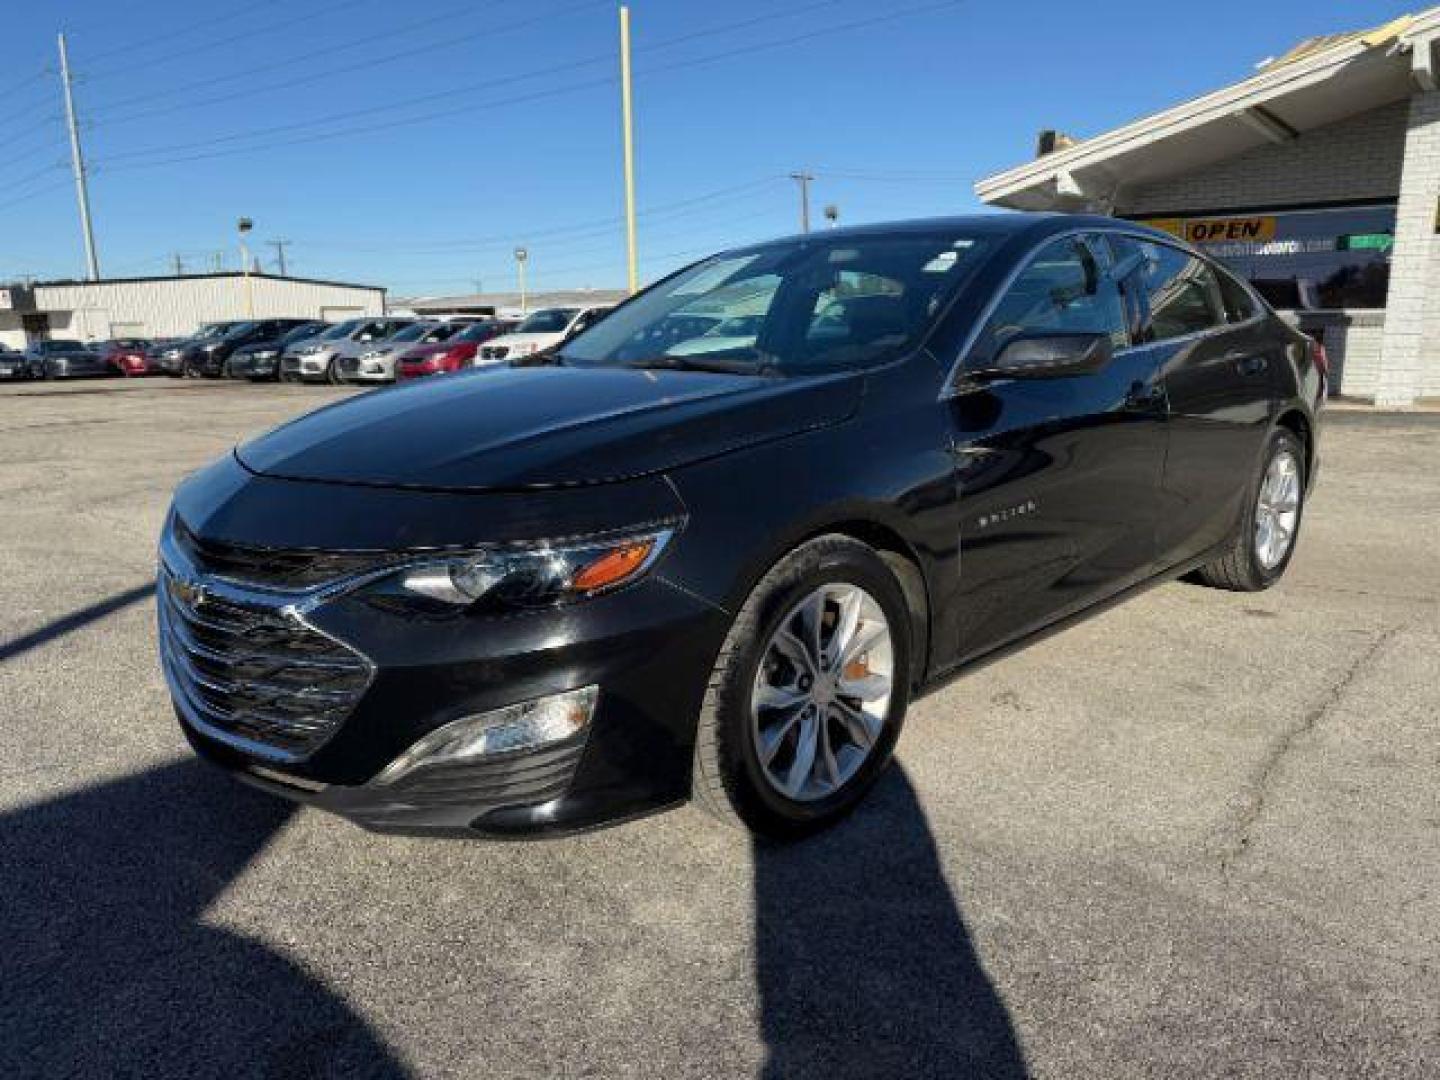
[1259, 789]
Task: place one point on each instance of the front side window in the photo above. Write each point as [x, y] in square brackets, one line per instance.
[813, 304]
[1064, 289]
[1183, 294]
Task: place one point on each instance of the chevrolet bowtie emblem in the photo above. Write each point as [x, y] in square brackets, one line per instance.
[190, 593]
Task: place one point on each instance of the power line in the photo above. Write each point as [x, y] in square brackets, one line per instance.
[36, 193]
[260, 133]
[370, 39]
[484, 84]
[138, 44]
[220, 43]
[577, 229]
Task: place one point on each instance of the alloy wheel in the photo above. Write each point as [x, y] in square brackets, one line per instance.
[822, 692]
[1278, 511]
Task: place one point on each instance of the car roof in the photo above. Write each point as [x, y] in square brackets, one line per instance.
[1001, 225]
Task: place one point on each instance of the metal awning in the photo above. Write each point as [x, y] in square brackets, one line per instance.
[1320, 81]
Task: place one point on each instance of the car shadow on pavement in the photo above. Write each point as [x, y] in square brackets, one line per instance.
[75, 620]
[864, 964]
[109, 967]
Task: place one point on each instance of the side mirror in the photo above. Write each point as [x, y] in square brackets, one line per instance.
[1048, 356]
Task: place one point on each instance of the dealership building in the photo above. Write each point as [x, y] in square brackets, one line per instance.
[1317, 178]
[156, 307]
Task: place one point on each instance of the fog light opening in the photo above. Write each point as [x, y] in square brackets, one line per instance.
[527, 725]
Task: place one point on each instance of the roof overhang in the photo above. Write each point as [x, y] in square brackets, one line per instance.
[1357, 74]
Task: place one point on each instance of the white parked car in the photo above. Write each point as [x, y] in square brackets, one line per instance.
[541, 330]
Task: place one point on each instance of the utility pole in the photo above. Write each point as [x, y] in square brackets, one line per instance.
[804, 179]
[628, 122]
[279, 246]
[179, 264]
[77, 164]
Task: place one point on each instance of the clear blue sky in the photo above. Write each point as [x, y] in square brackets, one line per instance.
[414, 145]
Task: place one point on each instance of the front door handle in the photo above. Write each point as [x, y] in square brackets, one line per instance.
[1148, 396]
[1249, 364]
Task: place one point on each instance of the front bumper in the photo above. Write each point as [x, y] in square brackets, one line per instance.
[648, 648]
[309, 367]
[250, 366]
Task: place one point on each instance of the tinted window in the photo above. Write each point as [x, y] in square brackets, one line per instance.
[1183, 293]
[1063, 289]
[1239, 304]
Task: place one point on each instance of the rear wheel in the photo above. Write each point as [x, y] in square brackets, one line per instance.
[1264, 540]
[332, 373]
[809, 692]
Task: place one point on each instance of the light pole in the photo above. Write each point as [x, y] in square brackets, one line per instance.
[521, 258]
[243, 226]
[627, 119]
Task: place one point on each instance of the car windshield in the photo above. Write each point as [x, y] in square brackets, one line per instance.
[62, 345]
[344, 329]
[300, 333]
[238, 330]
[482, 331]
[414, 332]
[813, 304]
[548, 321]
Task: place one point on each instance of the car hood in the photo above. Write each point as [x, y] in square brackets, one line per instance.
[517, 428]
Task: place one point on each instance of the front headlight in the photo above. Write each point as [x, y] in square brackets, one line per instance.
[525, 348]
[309, 350]
[536, 576]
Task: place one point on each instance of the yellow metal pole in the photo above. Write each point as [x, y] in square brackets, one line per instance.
[626, 107]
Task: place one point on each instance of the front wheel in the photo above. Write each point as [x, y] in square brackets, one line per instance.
[1264, 540]
[808, 694]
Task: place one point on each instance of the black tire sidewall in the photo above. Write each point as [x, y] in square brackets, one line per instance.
[1279, 440]
[757, 802]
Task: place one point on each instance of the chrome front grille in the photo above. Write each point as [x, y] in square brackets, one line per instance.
[270, 568]
[246, 669]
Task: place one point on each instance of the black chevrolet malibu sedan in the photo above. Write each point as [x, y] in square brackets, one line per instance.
[714, 545]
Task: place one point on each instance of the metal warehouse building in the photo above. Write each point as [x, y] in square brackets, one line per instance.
[171, 306]
[1318, 178]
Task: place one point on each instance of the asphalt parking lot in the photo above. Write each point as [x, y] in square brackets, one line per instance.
[1196, 836]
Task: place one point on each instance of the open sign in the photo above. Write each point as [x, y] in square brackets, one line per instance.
[1229, 230]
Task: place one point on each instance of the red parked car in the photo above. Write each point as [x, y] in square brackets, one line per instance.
[452, 355]
[129, 356]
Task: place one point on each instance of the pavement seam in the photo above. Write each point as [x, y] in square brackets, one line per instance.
[1259, 787]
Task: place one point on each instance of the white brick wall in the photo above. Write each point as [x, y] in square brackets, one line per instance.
[1410, 353]
[1358, 158]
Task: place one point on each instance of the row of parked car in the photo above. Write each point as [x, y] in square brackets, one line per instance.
[364, 350]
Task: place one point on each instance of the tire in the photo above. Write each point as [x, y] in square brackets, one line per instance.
[730, 782]
[1242, 568]
[332, 373]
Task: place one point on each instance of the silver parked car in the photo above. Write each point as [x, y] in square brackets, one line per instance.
[377, 363]
[314, 360]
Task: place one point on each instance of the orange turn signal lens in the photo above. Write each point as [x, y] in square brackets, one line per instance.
[613, 567]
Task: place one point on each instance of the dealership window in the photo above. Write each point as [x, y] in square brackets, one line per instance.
[1301, 259]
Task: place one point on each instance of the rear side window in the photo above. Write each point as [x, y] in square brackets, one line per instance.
[1239, 304]
[1064, 289]
[1182, 291]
